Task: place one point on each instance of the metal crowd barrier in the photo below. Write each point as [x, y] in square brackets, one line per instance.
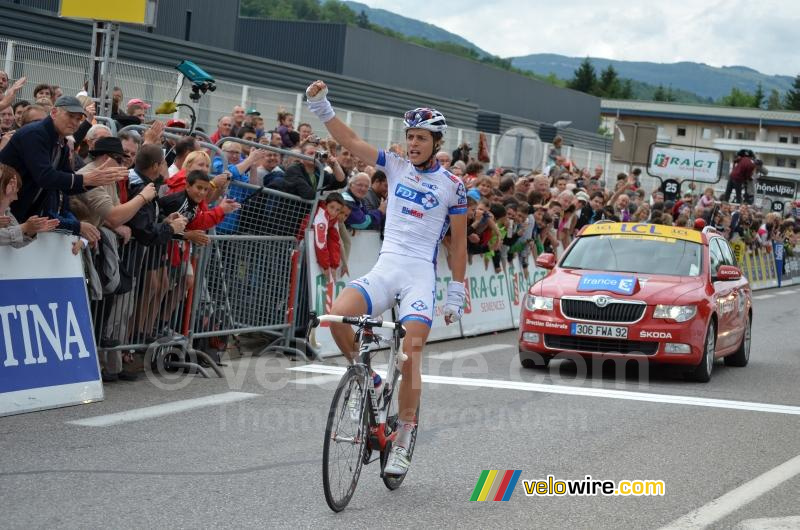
[248, 279]
[250, 276]
[147, 311]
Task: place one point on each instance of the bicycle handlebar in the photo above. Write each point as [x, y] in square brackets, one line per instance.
[368, 322]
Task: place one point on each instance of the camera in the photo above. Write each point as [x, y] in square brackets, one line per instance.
[194, 73]
[201, 81]
[321, 155]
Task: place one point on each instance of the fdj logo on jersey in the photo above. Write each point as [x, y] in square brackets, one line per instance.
[426, 200]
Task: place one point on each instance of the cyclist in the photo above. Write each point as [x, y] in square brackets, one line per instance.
[424, 200]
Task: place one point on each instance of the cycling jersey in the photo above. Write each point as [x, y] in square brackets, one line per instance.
[417, 217]
[418, 207]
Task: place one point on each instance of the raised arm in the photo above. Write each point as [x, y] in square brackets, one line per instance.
[321, 107]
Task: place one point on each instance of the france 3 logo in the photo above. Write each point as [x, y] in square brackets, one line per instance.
[426, 200]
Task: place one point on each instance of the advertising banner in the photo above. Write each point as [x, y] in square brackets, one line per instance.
[520, 283]
[785, 189]
[493, 299]
[488, 303]
[685, 163]
[48, 356]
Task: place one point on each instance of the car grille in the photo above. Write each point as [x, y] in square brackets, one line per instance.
[613, 312]
[593, 344]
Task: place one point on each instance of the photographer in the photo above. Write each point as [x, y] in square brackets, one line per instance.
[302, 177]
[462, 153]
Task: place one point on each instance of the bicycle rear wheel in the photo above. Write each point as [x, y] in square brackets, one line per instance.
[394, 481]
[345, 441]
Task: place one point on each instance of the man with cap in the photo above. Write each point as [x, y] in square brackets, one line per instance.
[253, 119]
[101, 206]
[40, 154]
[137, 108]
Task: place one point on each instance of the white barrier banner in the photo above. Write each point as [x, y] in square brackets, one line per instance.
[488, 303]
[48, 356]
[519, 285]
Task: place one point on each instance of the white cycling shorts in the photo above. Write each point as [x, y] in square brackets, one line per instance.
[413, 280]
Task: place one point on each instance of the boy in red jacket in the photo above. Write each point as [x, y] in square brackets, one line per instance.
[191, 203]
[326, 235]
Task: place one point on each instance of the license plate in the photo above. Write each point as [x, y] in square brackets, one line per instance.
[598, 330]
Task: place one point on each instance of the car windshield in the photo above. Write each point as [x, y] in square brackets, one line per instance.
[645, 255]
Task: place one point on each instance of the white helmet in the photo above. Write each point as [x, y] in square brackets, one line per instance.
[425, 118]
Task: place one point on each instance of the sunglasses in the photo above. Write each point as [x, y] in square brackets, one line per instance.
[415, 117]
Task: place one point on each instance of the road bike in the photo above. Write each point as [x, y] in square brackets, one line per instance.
[361, 420]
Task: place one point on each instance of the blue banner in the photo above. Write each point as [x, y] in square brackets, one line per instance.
[45, 334]
[777, 251]
[607, 282]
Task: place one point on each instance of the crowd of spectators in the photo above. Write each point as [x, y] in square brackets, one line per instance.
[138, 202]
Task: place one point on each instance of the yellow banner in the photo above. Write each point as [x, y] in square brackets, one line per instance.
[643, 229]
[738, 251]
[130, 11]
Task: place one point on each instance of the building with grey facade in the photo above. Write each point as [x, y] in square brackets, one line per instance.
[368, 71]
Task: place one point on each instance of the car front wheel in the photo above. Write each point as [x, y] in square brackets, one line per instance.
[702, 373]
[741, 356]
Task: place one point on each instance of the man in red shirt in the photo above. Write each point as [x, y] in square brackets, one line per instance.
[224, 129]
[742, 171]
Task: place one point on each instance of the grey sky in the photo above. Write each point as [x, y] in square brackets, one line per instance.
[761, 35]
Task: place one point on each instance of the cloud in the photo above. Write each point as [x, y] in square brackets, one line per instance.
[729, 32]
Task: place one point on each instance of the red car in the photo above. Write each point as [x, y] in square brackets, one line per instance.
[634, 290]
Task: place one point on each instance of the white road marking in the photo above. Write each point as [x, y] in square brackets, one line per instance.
[164, 409]
[770, 523]
[784, 293]
[733, 500]
[468, 352]
[316, 380]
[763, 296]
[583, 391]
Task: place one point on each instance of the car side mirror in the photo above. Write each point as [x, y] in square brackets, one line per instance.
[546, 261]
[728, 273]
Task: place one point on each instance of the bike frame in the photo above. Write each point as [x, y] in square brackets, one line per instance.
[377, 413]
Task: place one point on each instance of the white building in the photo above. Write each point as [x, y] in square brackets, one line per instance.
[772, 134]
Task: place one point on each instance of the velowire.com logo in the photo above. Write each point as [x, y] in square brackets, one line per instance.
[494, 485]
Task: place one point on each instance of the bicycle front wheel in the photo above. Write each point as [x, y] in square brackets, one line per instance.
[345, 440]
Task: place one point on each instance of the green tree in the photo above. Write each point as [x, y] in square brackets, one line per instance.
[281, 9]
[792, 98]
[758, 97]
[363, 20]
[609, 85]
[737, 98]
[660, 94]
[335, 11]
[585, 78]
[774, 101]
[627, 90]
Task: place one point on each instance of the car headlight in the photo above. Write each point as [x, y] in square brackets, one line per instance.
[538, 303]
[678, 313]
